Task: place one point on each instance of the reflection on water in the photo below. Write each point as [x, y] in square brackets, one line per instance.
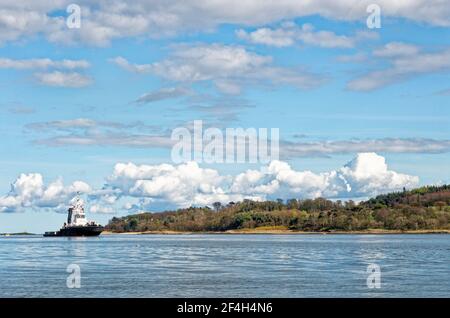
[226, 265]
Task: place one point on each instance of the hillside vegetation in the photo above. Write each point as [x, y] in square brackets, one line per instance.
[426, 208]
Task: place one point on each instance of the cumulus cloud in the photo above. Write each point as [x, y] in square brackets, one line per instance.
[228, 67]
[182, 185]
[366, 175]
[29, 191]
[289, 33]
[188, 184]
[104, 21]
[405, 61]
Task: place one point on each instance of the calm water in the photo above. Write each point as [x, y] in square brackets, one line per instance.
[226, 265]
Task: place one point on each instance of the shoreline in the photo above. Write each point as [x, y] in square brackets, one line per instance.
[283, 232]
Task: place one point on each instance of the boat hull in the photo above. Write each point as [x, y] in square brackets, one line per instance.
[88, 230]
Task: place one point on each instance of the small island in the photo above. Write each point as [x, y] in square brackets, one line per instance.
[421, 210]
[16, 234]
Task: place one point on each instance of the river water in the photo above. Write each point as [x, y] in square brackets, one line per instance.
[226, 266]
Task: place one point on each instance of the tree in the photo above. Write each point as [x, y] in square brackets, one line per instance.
[132, 224]
[217, 206]
[280, 204]
[349, 204]
[292, 204]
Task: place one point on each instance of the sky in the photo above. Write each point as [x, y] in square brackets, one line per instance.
[361, 108]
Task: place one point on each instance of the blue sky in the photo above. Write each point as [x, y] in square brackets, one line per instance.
[70, 109]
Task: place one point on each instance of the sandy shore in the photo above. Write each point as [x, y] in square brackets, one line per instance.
[283, 231]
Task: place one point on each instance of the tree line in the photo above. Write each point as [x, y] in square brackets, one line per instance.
[426, 208]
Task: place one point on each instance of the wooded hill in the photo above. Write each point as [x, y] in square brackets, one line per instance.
[426, 208]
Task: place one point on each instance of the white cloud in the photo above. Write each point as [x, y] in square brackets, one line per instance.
[277, 37]
[181, 185]
[17, 22]
[405, 61]
[394, 49]
[289, 34]
[52, 73]
[163, 94]
[104, 21]
[97, 208]
[85, 123]
[62, 79]
[389, 145]
[136, 68]
[184, 185]
[44, 63]
[228, 67]
[353, 58]
[198, 63]
[366, 175]
[188, 184]
[65, 124]
[89, 132]
[105, 139]
[29, 191]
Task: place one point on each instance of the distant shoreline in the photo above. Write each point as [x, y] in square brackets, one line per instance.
[257, 231]
[284, 232]
[16, 234]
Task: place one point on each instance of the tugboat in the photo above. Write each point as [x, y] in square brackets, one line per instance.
[77, 224]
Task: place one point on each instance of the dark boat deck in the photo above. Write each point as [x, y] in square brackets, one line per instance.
[89, 230]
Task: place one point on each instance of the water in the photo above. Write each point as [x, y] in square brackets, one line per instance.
[226, 266]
